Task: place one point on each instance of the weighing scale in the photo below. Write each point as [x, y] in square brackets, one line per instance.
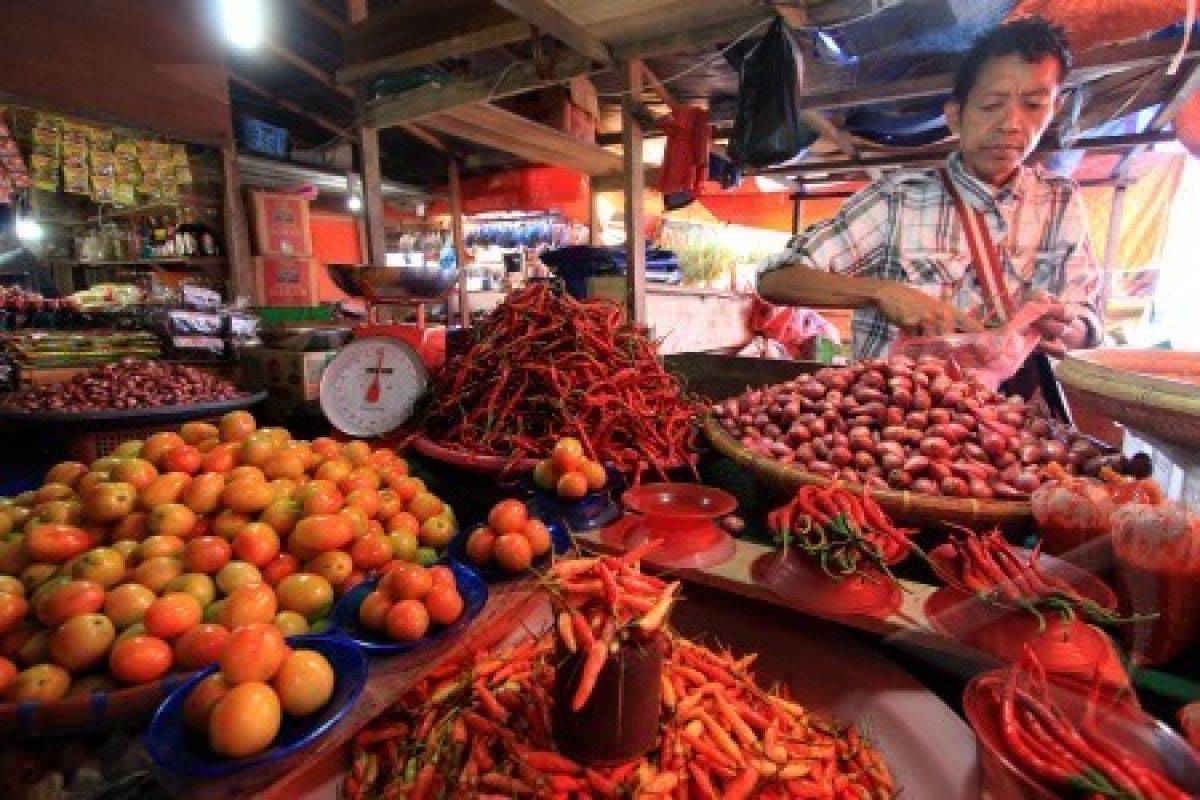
[371, 388]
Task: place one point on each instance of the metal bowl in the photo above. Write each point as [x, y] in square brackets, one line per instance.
[305, 338]
[429, 281]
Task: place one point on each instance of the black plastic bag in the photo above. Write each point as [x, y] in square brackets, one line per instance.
[767, 129]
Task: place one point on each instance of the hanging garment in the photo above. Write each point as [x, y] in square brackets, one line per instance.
[685, 160]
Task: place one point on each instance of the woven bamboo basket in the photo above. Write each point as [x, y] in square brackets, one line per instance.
[908, 508]
[1156, 392]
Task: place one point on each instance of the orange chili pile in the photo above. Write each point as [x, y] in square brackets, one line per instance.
[545, 365]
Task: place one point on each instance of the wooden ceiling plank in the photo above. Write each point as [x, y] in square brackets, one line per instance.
[288, 105]
[722, 26]
[452, 47]
[432, 99]
[499, 141]
[543, 135]
[551, 20]
[318, 12]
[308, 68]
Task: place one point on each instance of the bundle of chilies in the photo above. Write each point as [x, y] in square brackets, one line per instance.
[544, 365]
[846, 532]
[987, 566]
[908, 425]
[1066, 753]
[482, 728]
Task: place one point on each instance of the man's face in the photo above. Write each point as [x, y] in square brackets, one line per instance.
[1008, 109]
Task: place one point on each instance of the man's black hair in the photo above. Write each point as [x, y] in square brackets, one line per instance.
[1031, 38]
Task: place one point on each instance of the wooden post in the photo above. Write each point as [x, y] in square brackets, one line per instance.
[594, 232]
[237, 232]
[797, 213]
[368, 152]
[460, 247]
[635, 191]
[1112, 242]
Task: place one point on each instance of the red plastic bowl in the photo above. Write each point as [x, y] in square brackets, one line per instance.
[1087, 584]
[682, 515]
[1148, 740]
[799, 582]
[474, 462]
[679, 503]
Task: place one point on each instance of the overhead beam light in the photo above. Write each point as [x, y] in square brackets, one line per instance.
[28, 229]
[244, 22]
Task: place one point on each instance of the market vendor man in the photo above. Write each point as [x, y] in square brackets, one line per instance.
[962, 247]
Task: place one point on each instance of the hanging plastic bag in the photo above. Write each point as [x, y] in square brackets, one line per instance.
[767, 128]
[992, 356]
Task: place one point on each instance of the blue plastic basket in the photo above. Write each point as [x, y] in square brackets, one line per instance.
[262, 137]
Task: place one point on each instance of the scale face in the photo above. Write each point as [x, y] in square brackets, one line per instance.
[372, 386]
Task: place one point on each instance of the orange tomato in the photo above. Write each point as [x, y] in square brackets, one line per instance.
[201, 646]
[237, 426]
[171, 519]
[247, 496]
[407, 621]
[307, 594]
[56, 543]
[567, 454]
[108, 501]
[595, 475]
[282, 515]
[252, 653]
[82, 641]
[155, 573]
[69, 599]
[320, 497]
[162, 545]
[11, 585]
[406, 582]
[228, 523]
[13, 608]
[196, 432]
[436, 532]
[425, 505]
[157, 445]
[360, 524]
[404, 545]
[257, 449]
[103, 565]
[8, 673]
[66, 472]
[133, 528]
[36, 649]
[364, 499]
[335, 566]
[172, 614]
[280, 567]
[357, 452]
[197, 584]
[256, 543]
[13, 556]
[408, 487]
[198, 707]
[167, 488]
[185, 458]
[374, 610]
[290, 623]
[137, 472]
[572, 485]
[237, 574]
[35, 576]
[334, 470]
[481, 545]
[390, 505]
[203, 493]
[69, 512]
[127, 603]
[360, 478]
[444, 604]
[285, 464]
[323, 532]
[442, 576]
[248, 604]
[371, 551]
[206, 446]
[52, 491]
[245, 721]
[304, 683]
[44, 682]
[513, 553]
[206, 554]
[545, 475]
[325, 447]
[131, 448]
[140, 659]
[221, 458]
[539, 537]
[89, 481]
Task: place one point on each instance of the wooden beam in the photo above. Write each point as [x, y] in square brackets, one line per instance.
[318, 12]
[548, 18]
[452, 47]
[434, 98]
[635, 193]
[655, 85]
[830, 132]
[1187, 85]
[460, 243]
[1112, 242]
[725, 27]
[295, 108]
[434, 141]
[372, 172]
[308, 68]
[237, 232]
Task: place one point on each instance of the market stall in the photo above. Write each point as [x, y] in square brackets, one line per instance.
[391, 540]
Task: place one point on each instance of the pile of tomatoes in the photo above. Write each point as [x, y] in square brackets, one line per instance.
[511, 539]
[240, 706]
[568, 472]
[410, 599]
[151, 559]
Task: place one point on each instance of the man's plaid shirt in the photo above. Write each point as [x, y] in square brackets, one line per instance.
[904, 227]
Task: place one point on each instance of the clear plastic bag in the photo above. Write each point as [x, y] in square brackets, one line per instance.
[991, 356]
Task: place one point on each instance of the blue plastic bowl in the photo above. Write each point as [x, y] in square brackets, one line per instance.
[593, 510]
[560, 542]
[345, 614]
[178, 750]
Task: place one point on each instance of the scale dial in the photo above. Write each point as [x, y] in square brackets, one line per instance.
[372, 386]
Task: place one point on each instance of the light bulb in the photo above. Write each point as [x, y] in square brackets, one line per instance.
[28, 229]
[243, 22]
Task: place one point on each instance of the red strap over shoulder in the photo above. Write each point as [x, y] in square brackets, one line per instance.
[984, 255]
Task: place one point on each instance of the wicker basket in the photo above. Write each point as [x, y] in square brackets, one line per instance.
[906, 507]
[86, 714]
[87, 446]
[1153, 391]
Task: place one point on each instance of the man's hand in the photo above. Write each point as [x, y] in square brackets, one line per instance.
[1058, 326]
[916, 312]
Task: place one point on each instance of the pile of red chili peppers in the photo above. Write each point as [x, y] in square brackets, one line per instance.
[845, 532]
[1048, 744]
[545, 365]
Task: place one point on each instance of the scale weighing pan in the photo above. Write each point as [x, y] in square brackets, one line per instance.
[370, 281]
[372, 386]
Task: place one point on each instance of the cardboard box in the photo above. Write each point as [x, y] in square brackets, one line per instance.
[286, 281]
[292, 378]
[281, 224]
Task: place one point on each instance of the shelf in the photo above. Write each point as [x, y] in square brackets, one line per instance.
[194, 261]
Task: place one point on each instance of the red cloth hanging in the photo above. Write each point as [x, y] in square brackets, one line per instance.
[685, 160]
